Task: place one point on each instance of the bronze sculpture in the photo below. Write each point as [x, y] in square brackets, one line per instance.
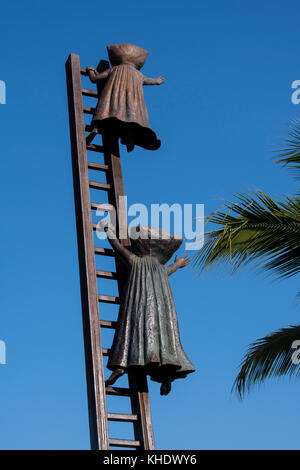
[121, 110]
[147, 337]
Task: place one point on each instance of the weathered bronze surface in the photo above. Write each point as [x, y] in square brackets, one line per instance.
[147, 337]
[121, 110]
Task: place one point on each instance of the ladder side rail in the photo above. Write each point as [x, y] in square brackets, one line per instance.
[87, 267]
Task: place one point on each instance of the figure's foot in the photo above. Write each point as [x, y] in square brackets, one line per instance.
[129, 140]
[130, 146]
[166, 386]
[91, 136]
[114, 376]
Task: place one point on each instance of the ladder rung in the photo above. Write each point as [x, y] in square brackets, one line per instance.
[97, 166]
[105, 351]
[119, 391]
[88, 110]
[91, 93]
[96, 185]
[108, 324]
[122, 417]
[109, 299]
[102, 207]
[95, 227]
[124, 443]
[107, 274]
[104, 251]
[95, 148]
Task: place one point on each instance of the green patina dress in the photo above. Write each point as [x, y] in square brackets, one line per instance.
[147, 334]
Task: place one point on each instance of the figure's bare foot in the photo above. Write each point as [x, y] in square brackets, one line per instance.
[130, 146]
[166, 386]
[129, 142]
[91, 136]
[114, 376]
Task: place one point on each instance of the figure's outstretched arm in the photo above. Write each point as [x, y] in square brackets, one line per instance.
[153, 81]
[95, 76]
[124, 254]
[178, 263]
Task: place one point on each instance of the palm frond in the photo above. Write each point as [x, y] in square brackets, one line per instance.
[272, 356]
[291, 154]
[255, 228]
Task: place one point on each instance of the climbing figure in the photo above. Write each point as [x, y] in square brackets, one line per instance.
[121, 110]
[147, 338]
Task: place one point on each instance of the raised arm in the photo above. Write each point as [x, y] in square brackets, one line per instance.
[178, 263]
[124, 254]
[95, 76]
[153, 81]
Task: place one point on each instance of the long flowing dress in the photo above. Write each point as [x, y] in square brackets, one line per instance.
[147, 334]
[121, 107]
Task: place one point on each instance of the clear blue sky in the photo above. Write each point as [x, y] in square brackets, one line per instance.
[226, 102]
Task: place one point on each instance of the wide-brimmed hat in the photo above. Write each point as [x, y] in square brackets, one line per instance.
[127, 53]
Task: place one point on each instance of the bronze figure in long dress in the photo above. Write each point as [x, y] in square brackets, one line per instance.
[121, 110]
[147, 336]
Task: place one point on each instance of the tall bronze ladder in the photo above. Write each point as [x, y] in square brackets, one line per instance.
[91, 299]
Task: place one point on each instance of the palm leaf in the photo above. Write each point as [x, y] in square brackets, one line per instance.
[271, 356]
[255, 228]
[291, 154]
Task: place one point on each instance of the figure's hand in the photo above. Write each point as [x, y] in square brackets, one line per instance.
[90, 68]
[161, 80]
[182, 262]
[105, 225]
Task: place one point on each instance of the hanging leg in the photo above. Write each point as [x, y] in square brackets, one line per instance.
[130, 142]
[91, 136]
[166, 385]
[114, 376]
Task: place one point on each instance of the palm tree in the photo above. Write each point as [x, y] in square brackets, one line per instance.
[266, 232]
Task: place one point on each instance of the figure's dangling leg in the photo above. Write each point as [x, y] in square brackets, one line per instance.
[91, 136]
[114, 376]
[129, 142]
[166, 385]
